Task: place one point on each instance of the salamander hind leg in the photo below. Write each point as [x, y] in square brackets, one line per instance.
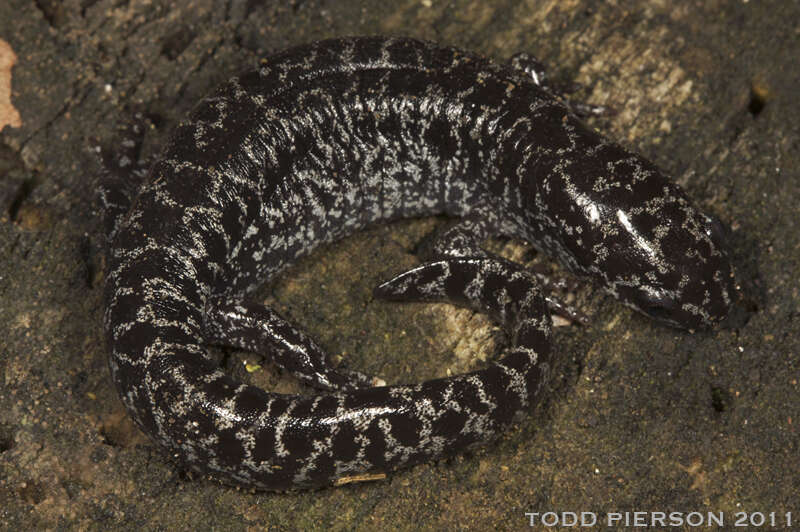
[463, 239]
[259, 329]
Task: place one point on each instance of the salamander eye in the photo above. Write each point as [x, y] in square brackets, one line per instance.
[659, 306]
[659, 313]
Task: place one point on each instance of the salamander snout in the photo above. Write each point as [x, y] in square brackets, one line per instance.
[706, 289]
[699, 300]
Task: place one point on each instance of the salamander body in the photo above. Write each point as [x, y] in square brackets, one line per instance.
[328, 138]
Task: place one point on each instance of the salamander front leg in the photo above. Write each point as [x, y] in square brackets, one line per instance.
[497, 287]
[465, 239]
[259, 329]
[538, 73]
[123, 173]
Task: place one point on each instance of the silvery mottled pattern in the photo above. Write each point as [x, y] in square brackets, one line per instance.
[319, 142]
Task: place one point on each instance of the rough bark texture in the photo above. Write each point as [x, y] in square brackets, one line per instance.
[640, 417]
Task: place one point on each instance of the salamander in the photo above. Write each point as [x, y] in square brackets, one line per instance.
[321, 141]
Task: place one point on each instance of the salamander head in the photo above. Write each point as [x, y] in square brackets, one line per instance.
[640, 237]
[684, 276]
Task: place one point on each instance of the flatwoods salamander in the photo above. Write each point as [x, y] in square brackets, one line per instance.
[321, 141]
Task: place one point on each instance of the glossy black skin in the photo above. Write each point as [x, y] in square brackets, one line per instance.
[320, 142]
